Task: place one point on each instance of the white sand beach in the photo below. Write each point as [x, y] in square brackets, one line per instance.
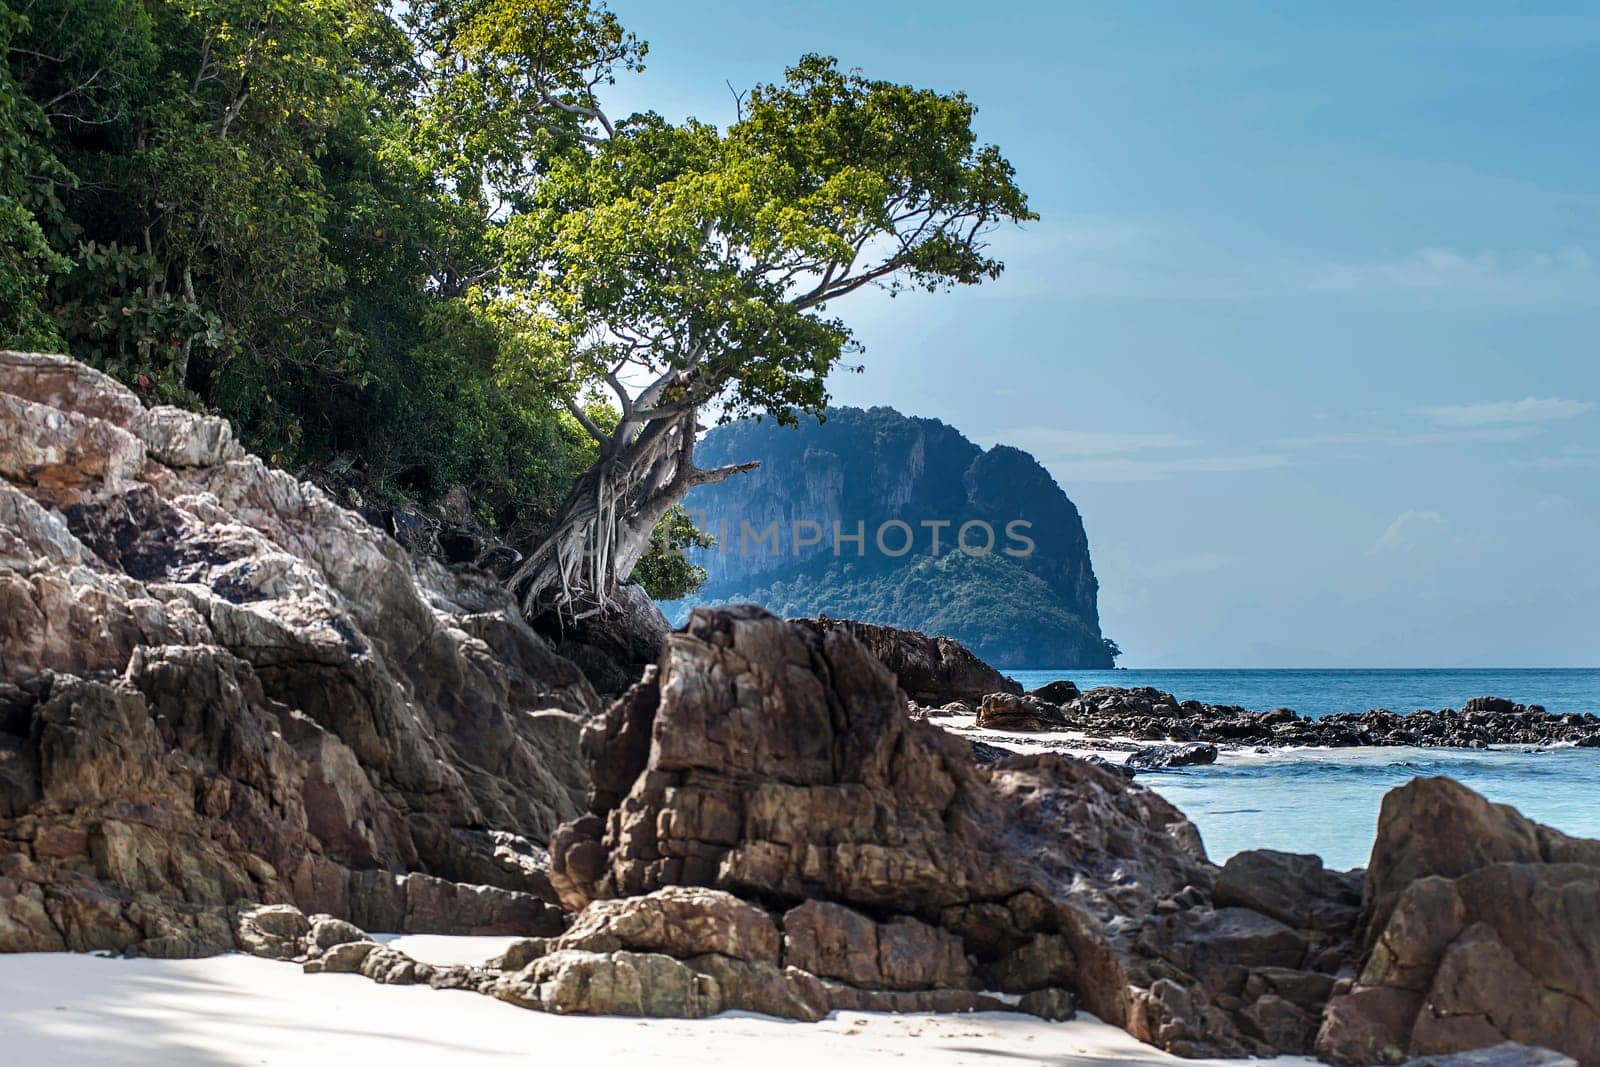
[58, 1009]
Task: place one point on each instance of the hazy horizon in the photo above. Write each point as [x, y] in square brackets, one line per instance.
[1305, 330]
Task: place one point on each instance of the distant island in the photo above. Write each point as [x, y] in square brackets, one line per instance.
[900, 521]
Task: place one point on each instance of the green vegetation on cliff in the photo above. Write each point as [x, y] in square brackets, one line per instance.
[1032, 606]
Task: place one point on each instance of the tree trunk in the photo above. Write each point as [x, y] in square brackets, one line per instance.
[604, 528]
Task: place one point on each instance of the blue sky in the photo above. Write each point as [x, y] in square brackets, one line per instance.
[1308, 328]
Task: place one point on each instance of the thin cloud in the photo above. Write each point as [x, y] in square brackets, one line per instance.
[1571, 458]
[1531, 409]
[1519, 273]
[1399, 439]
[1409, 531]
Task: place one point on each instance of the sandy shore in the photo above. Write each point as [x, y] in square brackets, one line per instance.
[237, 1010]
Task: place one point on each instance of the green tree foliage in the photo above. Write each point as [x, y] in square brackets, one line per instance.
[399, 243]
[29, 176]
[266, 207]
[665, 570]
[704, 265]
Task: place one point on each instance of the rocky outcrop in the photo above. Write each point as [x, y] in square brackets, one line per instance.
[932, 670]
[1018, 714]
[775, 762]
[1479, 928]
[1193, 754]
[218, 688]
[1148, 714]
[614, 647]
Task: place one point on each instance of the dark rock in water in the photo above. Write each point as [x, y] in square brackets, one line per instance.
[1059, 692]
[776, 761]
[1479, 926]
[1193, 754]
[218, 688]
[1149, 714]
[1121, 769]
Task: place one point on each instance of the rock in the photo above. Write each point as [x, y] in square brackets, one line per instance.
[614, 647]
[1149, 714]
[842, 997]
[388, 966]
[1281, 1023]
[219, 689]
[1191, 755]
[1058, 693]
[343, 958]
[327, 932]
[651, 985]
[679, 921]
[1505, 1054]
[987, 753]
[1476, 917]
[1294, 889]
[931, 670]
[1007, 711]
[1121, 770]
[1052, 1005]
[273, 931]
[832, 941]
[520, 954]
[746, 985]
[776, 762]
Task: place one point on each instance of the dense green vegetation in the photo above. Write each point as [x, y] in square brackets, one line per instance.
[404, 249]
[288, 211]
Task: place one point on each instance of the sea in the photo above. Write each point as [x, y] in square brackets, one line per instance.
[1325, 801]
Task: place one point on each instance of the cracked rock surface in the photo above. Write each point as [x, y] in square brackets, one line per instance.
[217, 687]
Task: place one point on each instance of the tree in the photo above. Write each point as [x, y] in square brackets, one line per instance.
[665, 570]
[287, 211]
[680, 265]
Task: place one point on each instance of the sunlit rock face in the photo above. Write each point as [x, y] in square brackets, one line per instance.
[217, 686]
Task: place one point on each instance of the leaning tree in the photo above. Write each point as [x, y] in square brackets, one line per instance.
[680, 267]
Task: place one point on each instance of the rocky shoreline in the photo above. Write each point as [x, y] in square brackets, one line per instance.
[1145, 714]
[236, 717]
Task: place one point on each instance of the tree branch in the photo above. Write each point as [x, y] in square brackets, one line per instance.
[586, 422]
[696, 476]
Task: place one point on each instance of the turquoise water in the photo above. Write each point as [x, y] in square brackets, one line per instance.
[1326, 800]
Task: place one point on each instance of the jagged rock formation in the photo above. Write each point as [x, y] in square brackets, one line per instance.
[931, 670]
[1479, 927]
[218, 687]
[775, 761]
[1035, 607]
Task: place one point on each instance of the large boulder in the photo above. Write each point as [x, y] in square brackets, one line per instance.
[1479, 927]
[932, 670]
[775, 761]
[219, 688]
